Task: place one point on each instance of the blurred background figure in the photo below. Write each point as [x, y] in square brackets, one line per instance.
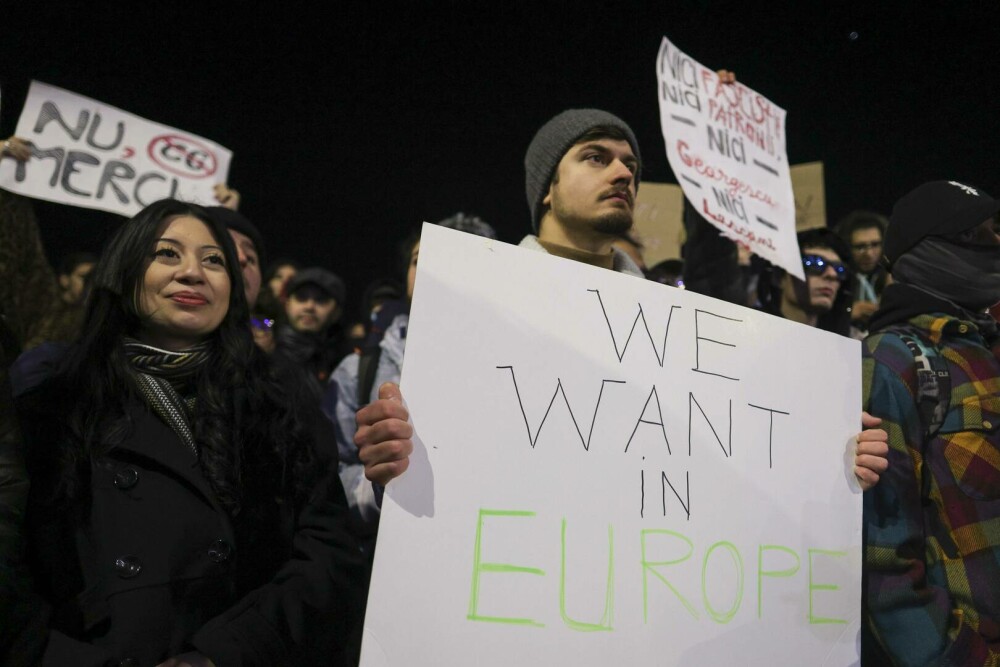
[308, 340]
[377, 294]
[278, 273]
[668, 272]
[249, 247]
[356, 380]
[28, 294]
[272, 296]
[61, 324]
[73, 276]
[862, 231]
[263, 325]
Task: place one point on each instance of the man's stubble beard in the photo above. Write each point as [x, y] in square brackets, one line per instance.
[615, 223]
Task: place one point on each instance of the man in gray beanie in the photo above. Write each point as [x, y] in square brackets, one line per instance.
[931, 371]
[582, 170]
[581, 174]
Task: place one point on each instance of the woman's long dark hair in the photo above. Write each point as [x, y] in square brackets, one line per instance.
[244, 424]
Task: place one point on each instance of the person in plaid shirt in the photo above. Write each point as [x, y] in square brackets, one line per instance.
[931, 370]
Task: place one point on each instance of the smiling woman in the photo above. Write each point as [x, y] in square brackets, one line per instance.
[171, 476]
[185, 292]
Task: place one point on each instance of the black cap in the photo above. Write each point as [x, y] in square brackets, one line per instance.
[938, 208]
[237, 221]
[320, 277]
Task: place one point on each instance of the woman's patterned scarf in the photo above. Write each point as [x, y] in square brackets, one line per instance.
[162, 377]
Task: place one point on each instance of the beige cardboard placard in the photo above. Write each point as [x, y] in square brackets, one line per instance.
[658, 221]
[810, 195]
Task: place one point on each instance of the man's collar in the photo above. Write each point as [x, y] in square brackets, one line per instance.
[602, 260]
[621, 262]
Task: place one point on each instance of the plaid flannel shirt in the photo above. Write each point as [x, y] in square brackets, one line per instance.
[933, 564]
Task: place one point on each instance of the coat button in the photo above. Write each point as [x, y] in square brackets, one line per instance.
[128, 662]
[220, 551]
[987, 424]
[126, 478]
[128, 566]
[962, 328]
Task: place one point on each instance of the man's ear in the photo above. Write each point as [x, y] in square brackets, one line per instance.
[548, 197]
[64, 282]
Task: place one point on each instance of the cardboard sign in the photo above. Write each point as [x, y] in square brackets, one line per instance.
[810, 195]
[659, 223]
[89, 154]
[726, 145]
[609, 471]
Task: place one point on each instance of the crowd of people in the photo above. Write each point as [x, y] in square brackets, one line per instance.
[195, 447]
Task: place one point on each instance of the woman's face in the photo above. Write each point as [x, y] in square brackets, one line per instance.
[185, 290]
[281, 276]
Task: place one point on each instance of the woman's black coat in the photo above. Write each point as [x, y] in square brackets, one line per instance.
[150, 565]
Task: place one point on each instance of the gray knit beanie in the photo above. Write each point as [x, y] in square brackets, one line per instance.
[553, 140]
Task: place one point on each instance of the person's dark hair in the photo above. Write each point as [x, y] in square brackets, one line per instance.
[69, 263]
[856, 220]
[821, 237]
[378, 291]
[273, 267]
[404, 250]
[248, 433]
[667, 272]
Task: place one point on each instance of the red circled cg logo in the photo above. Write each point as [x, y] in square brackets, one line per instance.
[183, 156]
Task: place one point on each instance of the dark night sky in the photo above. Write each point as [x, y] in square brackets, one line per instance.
[352, 123]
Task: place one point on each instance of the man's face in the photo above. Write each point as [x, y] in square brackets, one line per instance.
[866, 248]
[310, 309]
[819, 291]
[249, 265]
[75, 283]
[593, 189]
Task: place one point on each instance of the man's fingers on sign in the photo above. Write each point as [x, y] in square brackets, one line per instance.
[725, 76]
[384, 436]
[870, 459]
[17, 148]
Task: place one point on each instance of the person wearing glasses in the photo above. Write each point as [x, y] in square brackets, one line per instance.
[823, 299]
[863, 232]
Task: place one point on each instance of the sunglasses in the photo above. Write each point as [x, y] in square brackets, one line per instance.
[262, 323]
[816, 266]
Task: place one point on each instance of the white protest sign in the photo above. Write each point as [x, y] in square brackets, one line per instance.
[726, 145]
[608, 471]
[89, 154]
